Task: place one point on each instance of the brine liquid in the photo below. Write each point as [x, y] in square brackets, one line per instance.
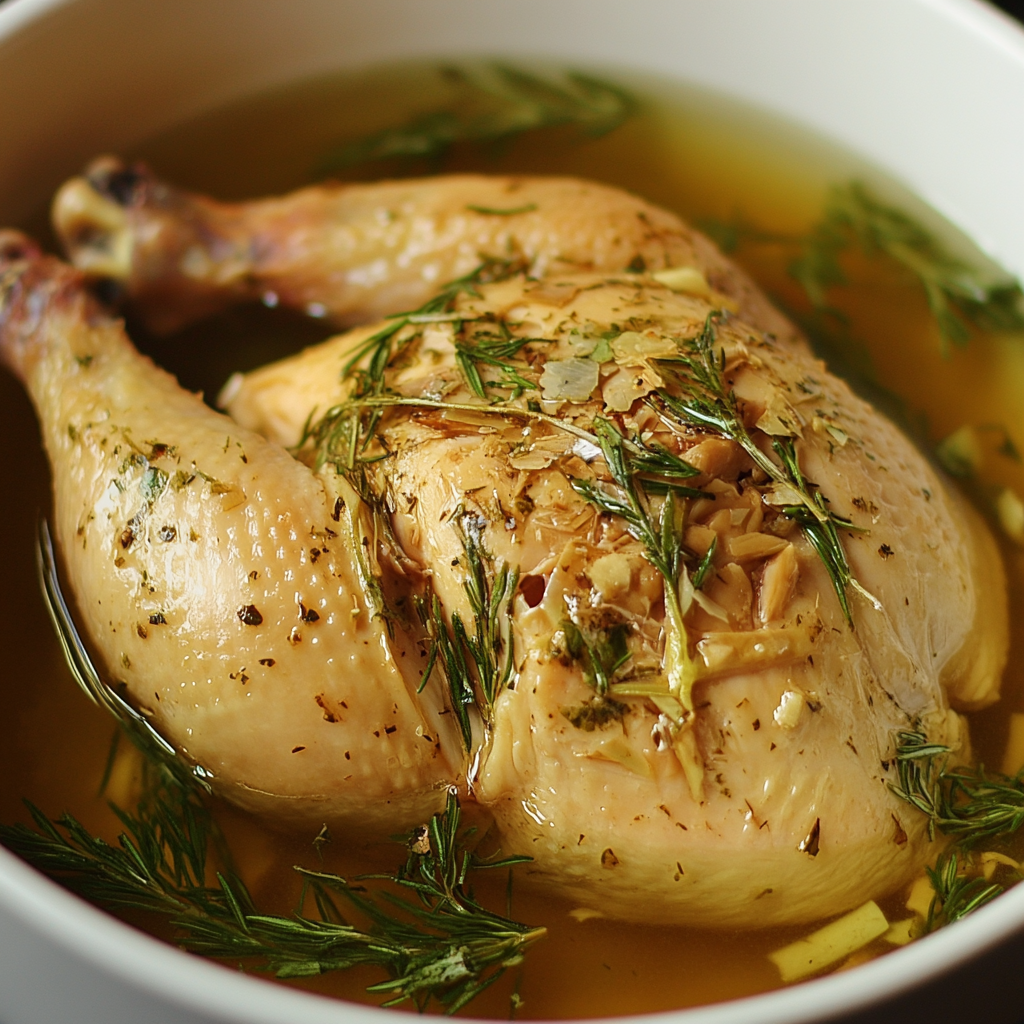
[691, 152]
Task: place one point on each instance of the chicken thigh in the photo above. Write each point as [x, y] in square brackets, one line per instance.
[212, 574]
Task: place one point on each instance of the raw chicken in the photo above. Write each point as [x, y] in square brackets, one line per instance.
[727, 766]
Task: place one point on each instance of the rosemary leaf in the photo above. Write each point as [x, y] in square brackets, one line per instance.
[961, 297]
[491, 106]
[438, 944]
[707, 403]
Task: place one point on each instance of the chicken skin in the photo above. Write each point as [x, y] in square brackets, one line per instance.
[790, 817]
[356, 252]
[561, 533]
[212, 575]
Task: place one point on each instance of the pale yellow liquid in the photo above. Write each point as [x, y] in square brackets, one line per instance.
[693, 153]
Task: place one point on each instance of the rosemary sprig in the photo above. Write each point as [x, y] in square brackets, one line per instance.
[957, 893]
[435, 943]
[492, 106]
[476, 663]
[487, 348]
[971, 804]
[660, 531]
[421, 925]
[708, 403]
[346, 435]
[960, 297]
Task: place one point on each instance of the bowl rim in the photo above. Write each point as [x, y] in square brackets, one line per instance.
[187, 981]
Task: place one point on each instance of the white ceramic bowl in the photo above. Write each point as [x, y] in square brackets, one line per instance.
[931, 91]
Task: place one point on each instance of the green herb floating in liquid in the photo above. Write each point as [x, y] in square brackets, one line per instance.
[960, 297]
[420, 925]
[492, 106]
[971, 805]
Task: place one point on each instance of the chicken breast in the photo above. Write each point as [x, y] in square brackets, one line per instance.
[212, 574]
[771, 804]
[353, 253]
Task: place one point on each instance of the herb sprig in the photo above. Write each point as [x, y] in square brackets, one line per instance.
[957, 893]
[960, 297]
[476, 663]
[971, 805]
[346, 435]
[492, 106]
[660, 531]
[421, 925]
[708, 403]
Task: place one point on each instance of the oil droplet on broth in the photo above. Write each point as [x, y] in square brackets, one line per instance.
[690, 151]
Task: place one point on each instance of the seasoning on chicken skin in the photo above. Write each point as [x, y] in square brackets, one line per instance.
[355, 252]
[757, 796]
[211, 573]
[792, 818]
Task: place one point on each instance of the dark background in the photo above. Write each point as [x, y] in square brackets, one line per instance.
[1014, 7]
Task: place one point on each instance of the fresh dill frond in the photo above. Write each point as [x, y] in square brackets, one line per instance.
[491, 106]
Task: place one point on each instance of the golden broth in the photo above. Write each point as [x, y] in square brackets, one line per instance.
[692, 152]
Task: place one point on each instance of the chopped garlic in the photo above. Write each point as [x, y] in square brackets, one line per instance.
[902, 932]
[748, 547]
[829, 945]
[684, 279]
[990, 860]
[1010, 510]
[622, 389]
[791, 706]
[921, 894]
[611, 574]
[571, 380]
[779, 418]
[619, 751]
[633, 349]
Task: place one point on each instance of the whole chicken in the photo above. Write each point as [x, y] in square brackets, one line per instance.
[605, 546]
